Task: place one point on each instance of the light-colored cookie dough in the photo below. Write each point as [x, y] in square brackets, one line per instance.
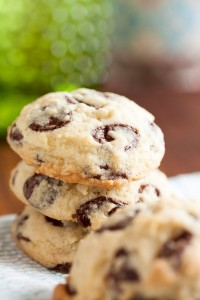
[50, 242]
[88, 205]
[140, 253]
[88, 137]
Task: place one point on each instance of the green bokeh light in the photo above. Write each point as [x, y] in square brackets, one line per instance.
[46, 44]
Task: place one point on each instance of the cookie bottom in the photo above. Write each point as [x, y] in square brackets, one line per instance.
[54, 170]
[51, 243]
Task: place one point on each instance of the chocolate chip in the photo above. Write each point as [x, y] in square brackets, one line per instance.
[48, 193]
[52, 124]
[112, 211]
[54, 222]
[31, 183]
[174, 248]
[121, 252]
[105, 167]
[38, 159]
[83, 213]
[111, 174]
[120, 224]
[145, 186]
[98, 177]
[121, 270]
[22, 220]
[20, 236]
[102, 134]
[15, 133]
[47, 199]
[70, 290]
[64, 268]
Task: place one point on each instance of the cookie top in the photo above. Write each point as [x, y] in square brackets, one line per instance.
[144, 252]
[88, 137]
[88, 205]
[50, 242]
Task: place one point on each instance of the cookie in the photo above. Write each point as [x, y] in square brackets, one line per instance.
[50, 242]
[88, 137]
[140, 253]
[88, 205]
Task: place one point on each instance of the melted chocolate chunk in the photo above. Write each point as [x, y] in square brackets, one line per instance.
[34, 181]
[121, 271]
[144, 186]
[48, 193]
[83, 213]
[31, 183]
[111, 174]
[47, 199]
[174, 248]
[22, 220]
[101, 134]
[38, 159]
[70, 290]
[112, 211]
[120, 224]
[121, 252]
[54, 222]
[98, 177]
[15, 133]
[63, 268]
[20, 236]
[52, 124]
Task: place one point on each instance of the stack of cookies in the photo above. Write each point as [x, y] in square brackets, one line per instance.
[85, 154]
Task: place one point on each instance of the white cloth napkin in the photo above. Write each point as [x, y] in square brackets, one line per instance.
[20, 277]
[23, 279]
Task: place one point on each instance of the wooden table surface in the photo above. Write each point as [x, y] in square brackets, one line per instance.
[177, 114]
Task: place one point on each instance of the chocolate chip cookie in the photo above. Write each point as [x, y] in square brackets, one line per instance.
[140, 253]
[88, 137]
[88, 205]
[50, 242]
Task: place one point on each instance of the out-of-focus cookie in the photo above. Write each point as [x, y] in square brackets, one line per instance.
[99, 139]
[140, 253]
[87, 205]
[50, 242]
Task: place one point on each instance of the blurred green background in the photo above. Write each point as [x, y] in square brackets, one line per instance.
[49, 45]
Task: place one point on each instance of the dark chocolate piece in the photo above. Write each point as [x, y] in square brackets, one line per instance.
[52, 124]
[83, 213]
[15, 133]
[63, 268]
[101, 134]
[54, 222]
